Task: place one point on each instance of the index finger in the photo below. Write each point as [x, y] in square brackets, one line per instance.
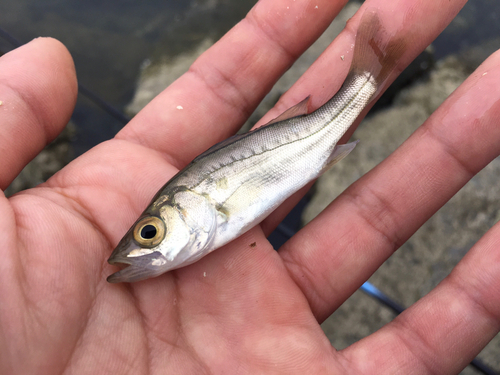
[226, 83]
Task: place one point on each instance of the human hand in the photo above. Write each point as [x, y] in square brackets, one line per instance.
[241, 308]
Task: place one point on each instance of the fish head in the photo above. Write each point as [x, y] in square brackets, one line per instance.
[162, 239]
[152, 246]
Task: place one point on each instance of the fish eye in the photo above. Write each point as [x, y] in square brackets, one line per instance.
[149, 231]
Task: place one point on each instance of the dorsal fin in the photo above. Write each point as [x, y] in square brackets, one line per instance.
[299, 109]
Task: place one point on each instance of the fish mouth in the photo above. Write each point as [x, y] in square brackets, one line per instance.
[129, 273]
[125, 273]
[135, 268]
[131, 269]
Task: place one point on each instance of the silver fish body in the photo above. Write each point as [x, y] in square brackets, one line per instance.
[235, 184]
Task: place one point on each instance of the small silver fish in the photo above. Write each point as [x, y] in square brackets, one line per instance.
[235, 184]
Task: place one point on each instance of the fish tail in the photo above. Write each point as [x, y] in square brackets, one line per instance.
[375, 51]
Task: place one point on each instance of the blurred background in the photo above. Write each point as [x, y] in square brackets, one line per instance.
[125, 53]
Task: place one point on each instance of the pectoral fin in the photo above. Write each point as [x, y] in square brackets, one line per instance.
[339, 152]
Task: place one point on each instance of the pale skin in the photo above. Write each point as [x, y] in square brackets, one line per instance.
[241, 309]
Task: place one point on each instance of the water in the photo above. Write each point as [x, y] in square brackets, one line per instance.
[477, 23]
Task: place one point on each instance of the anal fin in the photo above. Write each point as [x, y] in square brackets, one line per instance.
[339, 152]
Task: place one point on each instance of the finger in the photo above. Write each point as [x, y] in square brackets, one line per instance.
[335, 253]
[421, 21]
[446, 329]
[38, 92]
[226, 83]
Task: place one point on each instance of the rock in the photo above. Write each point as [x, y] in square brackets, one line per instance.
[155, 78]
[182, 42]
[52, 158]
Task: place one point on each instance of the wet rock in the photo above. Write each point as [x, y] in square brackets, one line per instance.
[156, 77]
[182, 42]
[52, 158]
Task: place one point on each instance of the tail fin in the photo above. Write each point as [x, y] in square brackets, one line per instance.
[375, 51]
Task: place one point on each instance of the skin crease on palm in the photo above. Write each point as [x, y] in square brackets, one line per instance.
[241, 309]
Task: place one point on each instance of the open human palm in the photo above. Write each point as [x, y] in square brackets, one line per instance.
[244, 308]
